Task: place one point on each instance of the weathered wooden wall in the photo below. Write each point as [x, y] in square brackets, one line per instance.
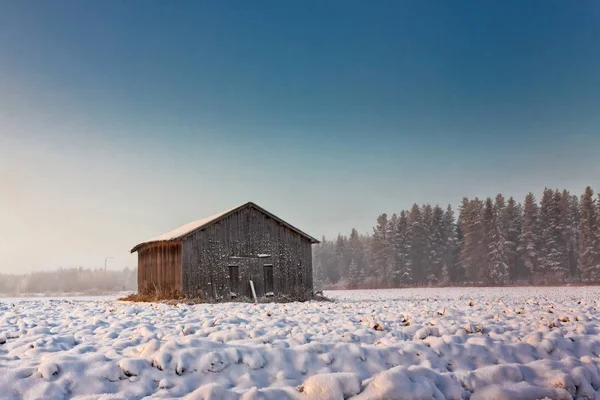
[159, 268]
[247, 233]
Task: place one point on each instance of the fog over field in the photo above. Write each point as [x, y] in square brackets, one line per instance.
[72, 281]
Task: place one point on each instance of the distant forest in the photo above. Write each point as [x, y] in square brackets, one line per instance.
[69, 281]
[495, 241]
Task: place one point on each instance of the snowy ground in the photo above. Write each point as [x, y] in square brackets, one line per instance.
[44, 297]
[484, 343]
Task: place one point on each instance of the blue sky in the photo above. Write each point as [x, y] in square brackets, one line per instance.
[120, 120]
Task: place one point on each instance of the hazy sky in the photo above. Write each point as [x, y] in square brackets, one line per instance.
[120, 120]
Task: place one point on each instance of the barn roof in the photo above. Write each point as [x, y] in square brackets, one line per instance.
[183, 231]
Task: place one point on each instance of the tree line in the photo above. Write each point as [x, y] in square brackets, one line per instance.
[69, 281]
[495, 241]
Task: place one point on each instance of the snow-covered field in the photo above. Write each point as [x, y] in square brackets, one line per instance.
[478, 343]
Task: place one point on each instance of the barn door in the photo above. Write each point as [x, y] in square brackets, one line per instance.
[234, 280]
[268, 278]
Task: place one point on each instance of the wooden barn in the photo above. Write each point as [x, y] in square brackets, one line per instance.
[215, 258]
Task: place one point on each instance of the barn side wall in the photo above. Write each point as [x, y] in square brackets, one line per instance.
[237, 240]
[159, 268]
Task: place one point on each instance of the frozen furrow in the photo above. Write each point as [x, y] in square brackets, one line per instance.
[479, 343]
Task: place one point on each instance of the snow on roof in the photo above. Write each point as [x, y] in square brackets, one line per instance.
[182, 231]
[185, 229]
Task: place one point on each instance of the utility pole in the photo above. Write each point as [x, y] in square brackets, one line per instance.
[105, 260]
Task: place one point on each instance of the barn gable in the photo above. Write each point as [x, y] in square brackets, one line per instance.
[189, 228]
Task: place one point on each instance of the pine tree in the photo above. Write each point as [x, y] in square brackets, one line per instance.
[553, 243]
[391, 246]
[547, 220]
[496, 270]
[402, 259]
[427, 213]
[362, 275]
[418, 244]
[529, 239]
[465, 241]
[473, 251]
[511, 226]
[563, 229]
[459, 269]
[353, 274]
[381, 250]
[392, 227]
[356, 255]
[500, 206]
[450, 254]
[589, 240]
[573, 247]
[555, 257]
[341, 256]
[437, 234]
[368, 270]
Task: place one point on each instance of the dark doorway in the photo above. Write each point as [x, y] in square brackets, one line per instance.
[234, 280]
[268, 276]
